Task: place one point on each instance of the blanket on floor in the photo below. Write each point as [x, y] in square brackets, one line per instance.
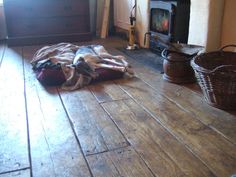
[74, 66]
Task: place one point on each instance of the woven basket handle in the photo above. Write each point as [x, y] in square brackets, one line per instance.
[231, 45]
[224, 68]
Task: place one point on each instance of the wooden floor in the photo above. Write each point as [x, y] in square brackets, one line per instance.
[132, 127]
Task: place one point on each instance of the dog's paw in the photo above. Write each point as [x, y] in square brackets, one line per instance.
[129, 70]
[120, 57]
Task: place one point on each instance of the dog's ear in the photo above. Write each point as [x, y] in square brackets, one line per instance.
[81, 59]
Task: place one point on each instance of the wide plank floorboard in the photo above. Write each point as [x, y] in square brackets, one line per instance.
[13, 126]
[140, 126]
[118, 163]
[107, 91]
[223, 122]
[217, 152]
[54, 147]
[95, 130]
[130, 116]
[21, 173]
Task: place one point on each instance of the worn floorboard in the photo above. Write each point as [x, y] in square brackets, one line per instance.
[130, 116]
[21, 173]
[13, 133]
[141, 126]
[189, 100]
[208, 145]
[107, 91]
[121, 162]
[93, 127]
[223, 122]
[54, 147]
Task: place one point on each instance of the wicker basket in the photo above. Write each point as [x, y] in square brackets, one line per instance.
[216, 75]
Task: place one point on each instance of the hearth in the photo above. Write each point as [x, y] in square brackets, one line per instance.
[169, 22]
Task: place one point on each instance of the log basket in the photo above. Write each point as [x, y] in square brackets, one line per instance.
[216, 75]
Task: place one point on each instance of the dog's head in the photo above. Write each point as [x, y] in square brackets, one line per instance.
[82, 67]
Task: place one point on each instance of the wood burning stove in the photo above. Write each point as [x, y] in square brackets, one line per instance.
[169, 22]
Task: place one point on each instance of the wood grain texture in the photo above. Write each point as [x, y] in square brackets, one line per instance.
[107, 91]
[49, 21]
[122, 162]
[54, 148]
[21, 173]
[141, 126]
[13, 134]
[95, 130]
[189, 99]
[223, 122]
[218, 153]
[128, 115]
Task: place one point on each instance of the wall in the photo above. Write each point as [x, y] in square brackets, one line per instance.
[229, 23]
[2, 24]
[122, 10]
[197, 24]
[206, 23]
[216, 13]
[142, 23]
[212, 23]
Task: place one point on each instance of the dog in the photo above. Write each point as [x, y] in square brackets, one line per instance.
[97, 57]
